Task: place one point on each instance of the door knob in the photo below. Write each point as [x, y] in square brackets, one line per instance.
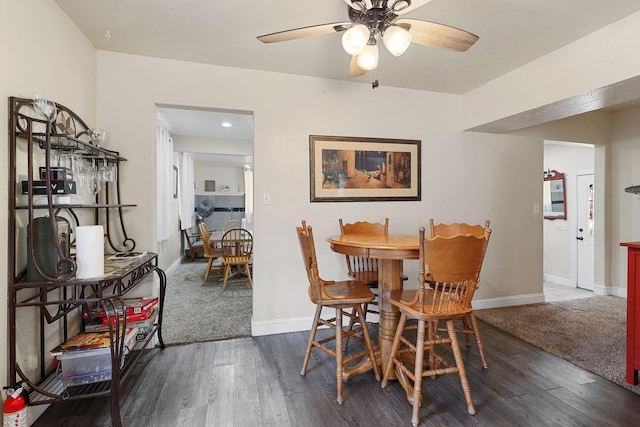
[580, 238]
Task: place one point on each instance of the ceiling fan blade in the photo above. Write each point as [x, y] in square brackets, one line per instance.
[414, 5]
[438, 35]
[354, 70]
[298, 33]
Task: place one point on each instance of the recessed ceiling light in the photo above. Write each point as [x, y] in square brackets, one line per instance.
[226, 125]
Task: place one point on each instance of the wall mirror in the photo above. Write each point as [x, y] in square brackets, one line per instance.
[554, 195]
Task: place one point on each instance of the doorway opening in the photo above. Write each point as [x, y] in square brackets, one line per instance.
[213, 151]
[568, 256]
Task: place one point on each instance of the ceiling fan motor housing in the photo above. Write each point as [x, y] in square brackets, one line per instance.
[377, 19]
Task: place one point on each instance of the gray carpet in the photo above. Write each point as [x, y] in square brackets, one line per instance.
[588, 332]
[195, 311]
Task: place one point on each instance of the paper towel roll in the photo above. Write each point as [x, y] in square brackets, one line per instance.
[89, 251]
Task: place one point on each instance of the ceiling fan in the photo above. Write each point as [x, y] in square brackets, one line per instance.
[372, 20]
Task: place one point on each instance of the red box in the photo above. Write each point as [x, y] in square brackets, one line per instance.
[133, 306]
[130, 318]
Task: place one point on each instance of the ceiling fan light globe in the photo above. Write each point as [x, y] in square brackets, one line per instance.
[355, 39]
[400, 5]
[396, 40]
[358, 5]
[368, 58]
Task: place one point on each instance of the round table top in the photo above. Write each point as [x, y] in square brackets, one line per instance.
[392, 246]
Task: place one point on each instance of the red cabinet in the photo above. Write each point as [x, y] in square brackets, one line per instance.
[633, 311]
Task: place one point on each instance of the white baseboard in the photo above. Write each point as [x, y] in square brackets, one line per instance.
[297, 324]
[479, 304]
[173, 266]
[558, 280]
[610, 290]
[280, 326]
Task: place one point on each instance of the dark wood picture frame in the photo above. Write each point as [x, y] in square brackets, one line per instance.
[554, 204]
[352, 169]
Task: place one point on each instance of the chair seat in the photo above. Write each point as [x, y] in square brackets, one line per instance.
[344, 292]
[402, 300]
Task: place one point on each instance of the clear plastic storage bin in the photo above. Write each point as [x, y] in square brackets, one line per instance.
[85, 367]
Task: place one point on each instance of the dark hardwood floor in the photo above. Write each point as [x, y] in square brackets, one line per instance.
[256, 382]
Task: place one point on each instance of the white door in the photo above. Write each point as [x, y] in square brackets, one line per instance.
[585, 231]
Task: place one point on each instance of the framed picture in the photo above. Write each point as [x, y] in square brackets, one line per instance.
[209, 185]
[348, 169]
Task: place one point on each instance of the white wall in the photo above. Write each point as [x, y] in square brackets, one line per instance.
[43, 52]
[465, 176]
[575, 70]
[625, 224]
[233, 176]
[195, 144]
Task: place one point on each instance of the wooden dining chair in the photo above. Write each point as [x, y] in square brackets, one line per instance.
[194, 244]
[343, 296]
[233, 223]
[469, 322]
[363, 268]
[237, 251]
[456, 262]
[210, 252]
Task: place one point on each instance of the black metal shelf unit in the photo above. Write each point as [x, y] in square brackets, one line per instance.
[57, 297]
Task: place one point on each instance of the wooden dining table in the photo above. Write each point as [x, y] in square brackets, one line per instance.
[390, 251]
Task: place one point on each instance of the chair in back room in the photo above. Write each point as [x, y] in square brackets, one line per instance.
[210, 252]
[237, 251]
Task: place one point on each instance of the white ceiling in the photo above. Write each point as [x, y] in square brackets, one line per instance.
[206, 123]
[512, 33]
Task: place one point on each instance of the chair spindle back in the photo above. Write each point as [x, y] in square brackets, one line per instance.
[308, 249]
[357, 264]
[454, 265]
[206, 235]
